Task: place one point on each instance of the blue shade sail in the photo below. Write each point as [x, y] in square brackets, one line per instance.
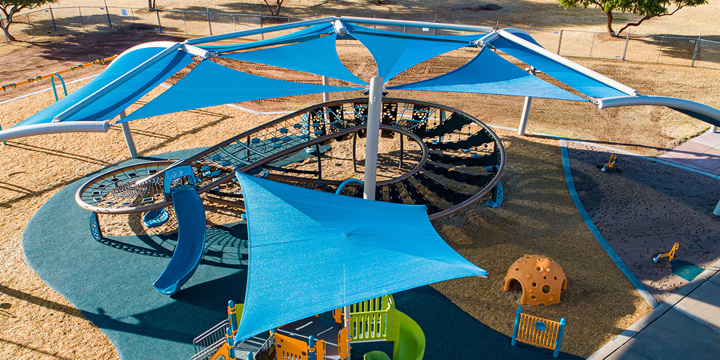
[312, 251]
[311, 32]
[488, 73]
[395, 52]
[564, 74]
[317, 56]
[210, 84]
[111, 104]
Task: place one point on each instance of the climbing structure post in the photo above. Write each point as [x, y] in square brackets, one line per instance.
[373, 132]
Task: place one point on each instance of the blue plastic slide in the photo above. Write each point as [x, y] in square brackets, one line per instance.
[190, 215]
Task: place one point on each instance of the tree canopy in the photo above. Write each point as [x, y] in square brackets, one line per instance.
[10, 8]
[648, 9]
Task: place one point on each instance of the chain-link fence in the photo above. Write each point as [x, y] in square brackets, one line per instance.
[675, 50]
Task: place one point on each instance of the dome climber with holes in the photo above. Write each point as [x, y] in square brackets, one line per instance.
[541, 278]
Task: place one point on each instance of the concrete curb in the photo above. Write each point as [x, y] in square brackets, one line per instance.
[667, 305]
[594, 230]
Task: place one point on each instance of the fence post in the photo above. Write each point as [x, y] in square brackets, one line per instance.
[209, 22]
[184, 23]
[627, 40]
[697, 45]
[592, 44]
[132, 13]
[662, 41]
[52, 17]
[107, 12]
[262, 35]
[562, 28]
[82, 23]
[157, 13]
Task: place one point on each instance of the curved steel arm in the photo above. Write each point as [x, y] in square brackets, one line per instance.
[699, 111]
[52, 128]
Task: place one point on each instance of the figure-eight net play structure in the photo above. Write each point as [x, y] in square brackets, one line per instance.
[360, 251]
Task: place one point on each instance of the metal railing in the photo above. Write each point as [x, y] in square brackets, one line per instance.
[211, 339]
[664, 49]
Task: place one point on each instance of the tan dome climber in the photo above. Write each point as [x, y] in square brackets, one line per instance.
[541, 278]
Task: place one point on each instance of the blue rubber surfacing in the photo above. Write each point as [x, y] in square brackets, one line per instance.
[110, 282]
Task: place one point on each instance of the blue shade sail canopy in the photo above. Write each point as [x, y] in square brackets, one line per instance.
[317, 56]
[210, 84]
[395, 52]
[111, 104]
[488, 73]
[312, 251]
[571, 77]
[311, 32]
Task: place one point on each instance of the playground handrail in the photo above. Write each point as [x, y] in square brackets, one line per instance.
[373, 320]
[216, 333]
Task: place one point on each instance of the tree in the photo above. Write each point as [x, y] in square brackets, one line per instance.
[10, 8]
[647, 8]
[274, 8]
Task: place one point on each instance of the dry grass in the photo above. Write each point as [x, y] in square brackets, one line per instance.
[36, 322]
[538, 217]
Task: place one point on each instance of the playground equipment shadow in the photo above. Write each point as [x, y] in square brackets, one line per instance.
[110, 283]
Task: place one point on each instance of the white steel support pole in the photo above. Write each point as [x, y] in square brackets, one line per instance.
[128, 137]
[373, 132]
[526, 110]
[713, 129]
[326, 96]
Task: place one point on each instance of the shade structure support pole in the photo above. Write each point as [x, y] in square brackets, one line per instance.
[713, 129]
[128, 137]
[373, 133]
[526, 110]
[326, 96]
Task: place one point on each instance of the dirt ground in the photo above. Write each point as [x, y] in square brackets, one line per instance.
[39, 323]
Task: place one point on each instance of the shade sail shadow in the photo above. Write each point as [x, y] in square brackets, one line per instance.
[452, 333]
[225, 245]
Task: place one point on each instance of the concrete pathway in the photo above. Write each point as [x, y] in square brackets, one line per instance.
[687, 324]
[684, 326]
[700, 153]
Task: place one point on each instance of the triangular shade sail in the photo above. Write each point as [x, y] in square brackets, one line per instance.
[317, 56]
[395, 53]
[488, 73]
[210, 84]
[563, 73]
[311, 252]
[300, 35]
[111, 104]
